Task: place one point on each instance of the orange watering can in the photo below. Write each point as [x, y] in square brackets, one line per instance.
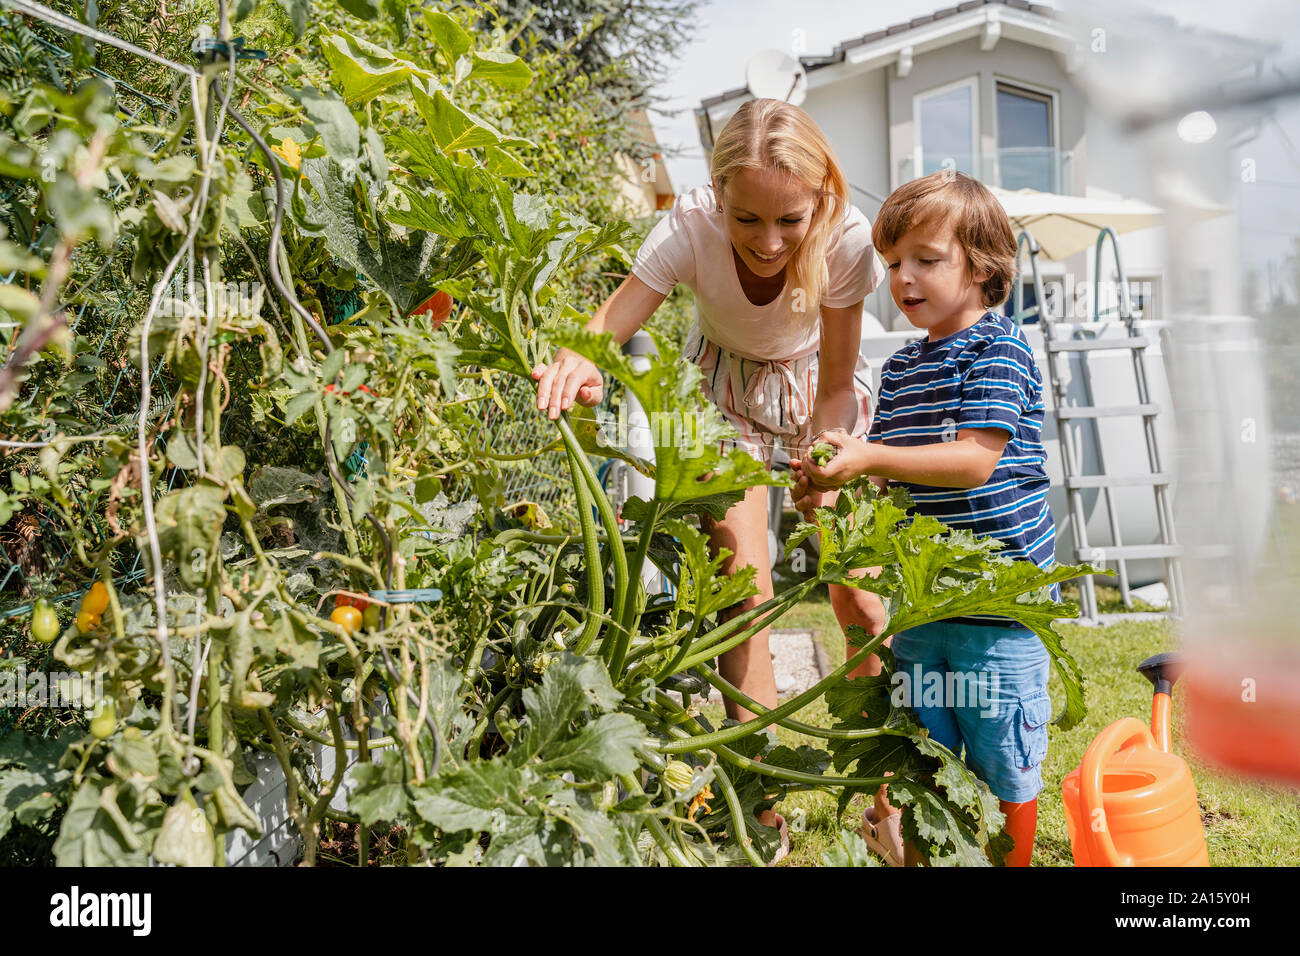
[1132, 802]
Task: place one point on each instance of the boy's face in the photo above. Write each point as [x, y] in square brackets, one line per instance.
[931, 281]
[768, 213]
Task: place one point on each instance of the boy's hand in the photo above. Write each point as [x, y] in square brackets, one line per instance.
[852, 458]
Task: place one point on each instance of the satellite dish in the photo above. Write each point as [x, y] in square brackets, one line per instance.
[773, 74]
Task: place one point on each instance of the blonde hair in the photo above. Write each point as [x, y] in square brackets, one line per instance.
[772, 134]
[979, 224]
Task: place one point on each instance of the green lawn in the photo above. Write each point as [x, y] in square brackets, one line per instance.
[1246, 824]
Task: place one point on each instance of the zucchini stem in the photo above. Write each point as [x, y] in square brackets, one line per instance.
[730, 734]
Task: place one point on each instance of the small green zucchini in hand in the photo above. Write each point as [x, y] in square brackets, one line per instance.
[821, 453]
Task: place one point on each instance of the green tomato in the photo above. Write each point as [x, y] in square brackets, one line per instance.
[370, 617]
[104, 723]
[45, 622]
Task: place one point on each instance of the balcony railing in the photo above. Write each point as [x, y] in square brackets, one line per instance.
[1035, 167]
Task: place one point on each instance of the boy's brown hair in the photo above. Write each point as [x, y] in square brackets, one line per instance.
[978, 220]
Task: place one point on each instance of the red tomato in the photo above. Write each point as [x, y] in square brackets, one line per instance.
[440, 304]
[360, 388]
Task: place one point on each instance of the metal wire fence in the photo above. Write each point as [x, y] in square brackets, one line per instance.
[103, 306]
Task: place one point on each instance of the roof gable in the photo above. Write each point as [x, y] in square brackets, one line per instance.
[940, 28]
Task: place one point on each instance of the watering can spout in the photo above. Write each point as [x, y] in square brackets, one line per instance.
[1163, 671]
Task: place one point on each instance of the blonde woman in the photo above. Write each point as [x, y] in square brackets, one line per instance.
[780, 262]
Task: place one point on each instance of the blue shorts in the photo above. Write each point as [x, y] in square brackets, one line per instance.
[984, 687]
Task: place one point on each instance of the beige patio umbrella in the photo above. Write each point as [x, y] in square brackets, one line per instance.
[1064, 225]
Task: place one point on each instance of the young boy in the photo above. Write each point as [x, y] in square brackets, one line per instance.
[958, 423]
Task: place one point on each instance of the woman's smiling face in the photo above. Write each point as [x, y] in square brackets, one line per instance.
[768, 213]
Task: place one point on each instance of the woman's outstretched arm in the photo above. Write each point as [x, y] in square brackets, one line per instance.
[571, 377]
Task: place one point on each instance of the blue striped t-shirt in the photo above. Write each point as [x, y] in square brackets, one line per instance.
[983, 376]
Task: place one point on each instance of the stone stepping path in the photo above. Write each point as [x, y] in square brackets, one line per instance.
[798, 661]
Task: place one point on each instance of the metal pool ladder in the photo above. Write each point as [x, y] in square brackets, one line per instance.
[1057, 342]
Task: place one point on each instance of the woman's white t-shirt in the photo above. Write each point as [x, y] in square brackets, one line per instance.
[690, 245]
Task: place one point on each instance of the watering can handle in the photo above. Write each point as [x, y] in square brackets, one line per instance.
[1114, 738]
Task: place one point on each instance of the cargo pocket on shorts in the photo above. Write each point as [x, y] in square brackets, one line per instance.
[1032, 714]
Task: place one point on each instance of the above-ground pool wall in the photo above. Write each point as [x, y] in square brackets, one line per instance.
[1106, 378]
[280, 843]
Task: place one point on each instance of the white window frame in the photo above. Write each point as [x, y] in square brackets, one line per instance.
[1033, 89]
[973, 82]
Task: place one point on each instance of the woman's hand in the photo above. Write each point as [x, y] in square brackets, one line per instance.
[806, 499]
[568, 377]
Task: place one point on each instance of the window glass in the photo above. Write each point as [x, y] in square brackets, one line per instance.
[1026, 158]
[947, 121]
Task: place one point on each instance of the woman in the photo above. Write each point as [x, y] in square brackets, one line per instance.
[780, 262]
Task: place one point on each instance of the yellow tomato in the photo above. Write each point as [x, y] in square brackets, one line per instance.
[95, 601]
[86, 621]
[349, 618]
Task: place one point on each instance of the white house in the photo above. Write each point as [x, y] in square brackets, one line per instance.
[1017, 95]
[993, 88]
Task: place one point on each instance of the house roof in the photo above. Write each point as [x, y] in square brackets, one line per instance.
[811, 63]
[1048, 28]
